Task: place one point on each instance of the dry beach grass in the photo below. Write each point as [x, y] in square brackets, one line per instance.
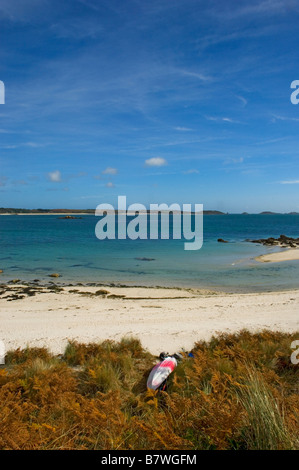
[238, 392]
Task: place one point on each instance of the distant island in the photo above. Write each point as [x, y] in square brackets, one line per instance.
[278, 213]
[14, 211]
[69, 212]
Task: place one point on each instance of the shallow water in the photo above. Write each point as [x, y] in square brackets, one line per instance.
[32, 247]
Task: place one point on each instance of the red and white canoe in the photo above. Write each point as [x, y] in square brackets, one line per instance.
[160, 372]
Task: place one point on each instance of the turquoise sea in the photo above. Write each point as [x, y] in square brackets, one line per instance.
[32, 247]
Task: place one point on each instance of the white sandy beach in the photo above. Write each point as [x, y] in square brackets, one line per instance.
[291, 254]
[163, 319]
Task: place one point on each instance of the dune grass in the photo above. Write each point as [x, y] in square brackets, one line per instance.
[238, 392]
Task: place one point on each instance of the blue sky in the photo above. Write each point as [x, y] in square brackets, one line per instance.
[161, 101]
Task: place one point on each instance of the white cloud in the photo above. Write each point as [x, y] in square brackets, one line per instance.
[221, 119]
[54, 176]
[109, 185]
[183, 129]
[25, 144]
[234, 160]
[156, 161]
[199, 76]
[110, 171]
[290, 182]
[253, 9]
[242, 99]
[33, 145]
[284, 118]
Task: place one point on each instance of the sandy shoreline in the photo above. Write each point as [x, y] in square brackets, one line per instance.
[290, 254]
[163, 319]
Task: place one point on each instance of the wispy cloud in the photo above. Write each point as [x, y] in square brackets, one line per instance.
[191, 171]
[197, 75]
[289, 182]
[234, 160]
[24, 144]
[284, 118]
[257, 7]
[17, 11]
[272, 141]
[183, 129]
[110, 171]
[222, 37]
[221, 119]
[5, 131]
[242, 99]
[78, 29]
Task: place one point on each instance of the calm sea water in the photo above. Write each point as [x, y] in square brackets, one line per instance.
[32, 247]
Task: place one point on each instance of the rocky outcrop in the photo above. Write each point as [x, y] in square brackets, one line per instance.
[220, 240]
[283, 241]
[69, 217]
